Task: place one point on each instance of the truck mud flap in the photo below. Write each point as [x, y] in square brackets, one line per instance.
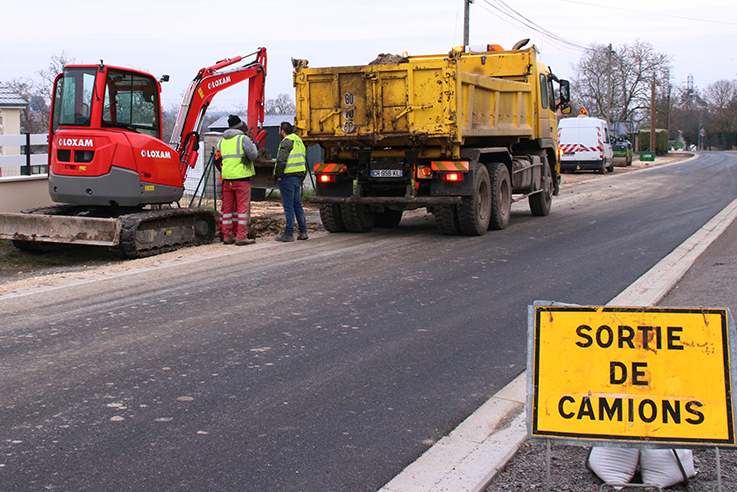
[60, 229]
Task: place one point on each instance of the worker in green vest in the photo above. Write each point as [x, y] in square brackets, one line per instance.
[234, 157]
[290, 171]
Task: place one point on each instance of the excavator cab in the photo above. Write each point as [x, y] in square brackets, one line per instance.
[105, 140]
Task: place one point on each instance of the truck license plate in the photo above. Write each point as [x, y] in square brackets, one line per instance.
[386, 173]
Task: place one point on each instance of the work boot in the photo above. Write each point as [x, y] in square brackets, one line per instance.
[244, 242]
[302, 236]
[285, 238]
[228, 240]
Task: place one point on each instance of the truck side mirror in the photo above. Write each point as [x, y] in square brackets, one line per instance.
[565, 92]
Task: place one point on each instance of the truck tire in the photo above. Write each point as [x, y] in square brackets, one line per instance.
[331, 217]
[540, 202]
[501, 196]
[446, 218]
[389, 218]
[357, 217]
[474, 211]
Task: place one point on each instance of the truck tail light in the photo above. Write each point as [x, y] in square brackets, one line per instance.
[327, 178]
[453, 177]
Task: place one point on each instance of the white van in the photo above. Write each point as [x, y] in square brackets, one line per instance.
[584, 144]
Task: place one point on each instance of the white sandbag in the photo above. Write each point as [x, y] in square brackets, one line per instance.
[614, 465]
[659, 466]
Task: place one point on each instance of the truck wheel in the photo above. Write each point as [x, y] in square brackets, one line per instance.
[474, 211]
[540, 202]
[501, 196]
[331, 217]
[389, 218]
[357, 217]
[603, 167]
[446, 218]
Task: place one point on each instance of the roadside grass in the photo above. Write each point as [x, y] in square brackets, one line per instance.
[13, 260]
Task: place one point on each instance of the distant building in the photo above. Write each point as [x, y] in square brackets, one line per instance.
[11, 104]
[272, 140]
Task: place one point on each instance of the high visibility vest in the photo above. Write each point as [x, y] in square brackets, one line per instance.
[235, 163]
[297, 160]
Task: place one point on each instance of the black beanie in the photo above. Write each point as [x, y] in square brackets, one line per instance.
[234, 121]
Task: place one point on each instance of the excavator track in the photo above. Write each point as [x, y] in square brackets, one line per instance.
[153, 232]
[136, 234]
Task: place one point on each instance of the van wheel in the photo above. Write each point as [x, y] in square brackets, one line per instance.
[540, 203]
[474, 211]
[501, 196]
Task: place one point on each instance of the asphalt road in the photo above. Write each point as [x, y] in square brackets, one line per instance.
[321, 365]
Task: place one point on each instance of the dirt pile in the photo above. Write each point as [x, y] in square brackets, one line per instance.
[389, 59]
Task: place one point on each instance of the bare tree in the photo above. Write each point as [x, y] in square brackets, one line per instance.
[721, 98]
[35, 118]
[283, 104]
[615, 83]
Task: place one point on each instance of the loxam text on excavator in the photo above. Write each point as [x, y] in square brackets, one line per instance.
[109, 169]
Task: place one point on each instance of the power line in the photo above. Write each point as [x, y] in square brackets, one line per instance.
[500, 7]
[659, 14]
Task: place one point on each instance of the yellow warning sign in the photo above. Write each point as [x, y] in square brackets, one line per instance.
[632, 374]
[583, 111]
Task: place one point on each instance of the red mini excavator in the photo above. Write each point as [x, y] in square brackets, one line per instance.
[112, 172]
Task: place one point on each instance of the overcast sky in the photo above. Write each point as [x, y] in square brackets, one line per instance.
[180, 37]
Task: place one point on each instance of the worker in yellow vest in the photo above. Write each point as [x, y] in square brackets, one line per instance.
[290, 171]
[234, 157]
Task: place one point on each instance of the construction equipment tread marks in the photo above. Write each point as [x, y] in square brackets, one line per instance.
[154, 232]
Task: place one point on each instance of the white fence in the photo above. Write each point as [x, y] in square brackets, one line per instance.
[18, 165]
[22, 164]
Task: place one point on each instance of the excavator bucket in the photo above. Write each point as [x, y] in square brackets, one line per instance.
[60, 229]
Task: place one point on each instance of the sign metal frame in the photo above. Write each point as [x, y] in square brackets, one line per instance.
[539, 427]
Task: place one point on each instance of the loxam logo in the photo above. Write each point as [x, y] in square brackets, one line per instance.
[218, 82]
[156, 154]
[75, 142]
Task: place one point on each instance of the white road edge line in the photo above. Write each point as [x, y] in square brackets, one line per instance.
[469, 457]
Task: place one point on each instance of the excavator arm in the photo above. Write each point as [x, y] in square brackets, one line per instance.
[208, 82]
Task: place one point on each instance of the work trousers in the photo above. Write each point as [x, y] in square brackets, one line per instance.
[290, 188]
[236, 206]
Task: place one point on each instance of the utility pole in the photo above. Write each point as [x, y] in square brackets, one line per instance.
[652, 117]
[466, 21]
[609, 104]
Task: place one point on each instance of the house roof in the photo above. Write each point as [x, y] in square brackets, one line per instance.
[11, 99]
[270, 120]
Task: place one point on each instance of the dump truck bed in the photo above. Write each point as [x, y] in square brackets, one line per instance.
[433, 100]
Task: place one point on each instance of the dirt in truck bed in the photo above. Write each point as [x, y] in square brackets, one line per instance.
[389, 59]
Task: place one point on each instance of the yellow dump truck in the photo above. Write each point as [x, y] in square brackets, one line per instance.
[464, 134]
